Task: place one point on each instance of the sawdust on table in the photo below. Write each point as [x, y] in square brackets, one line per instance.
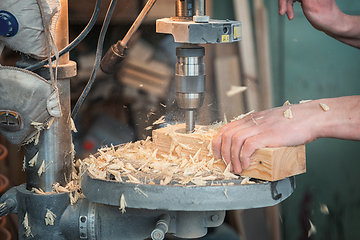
[140, 163]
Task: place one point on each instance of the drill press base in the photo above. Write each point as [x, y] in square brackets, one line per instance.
[223, 196]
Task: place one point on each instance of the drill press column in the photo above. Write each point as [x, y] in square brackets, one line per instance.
[190, 81]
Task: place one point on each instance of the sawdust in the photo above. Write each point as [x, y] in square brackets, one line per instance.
[141, 163]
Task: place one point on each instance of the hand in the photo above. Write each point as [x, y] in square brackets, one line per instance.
[237, 141]
[325, 15]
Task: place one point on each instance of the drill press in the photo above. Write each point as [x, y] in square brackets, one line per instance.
[191, 26]
[152, 210]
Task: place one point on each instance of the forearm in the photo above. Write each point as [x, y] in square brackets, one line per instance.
[346, 29]
[342, 121]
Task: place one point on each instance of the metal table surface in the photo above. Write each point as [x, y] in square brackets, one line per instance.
[188, 198]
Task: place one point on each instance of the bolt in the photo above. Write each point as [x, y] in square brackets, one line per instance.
[214, 217]
[157, 235]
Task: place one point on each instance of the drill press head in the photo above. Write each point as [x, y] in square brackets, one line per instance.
[190, 81]
[191, 26]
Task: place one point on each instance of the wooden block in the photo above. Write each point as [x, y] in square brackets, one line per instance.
[266, 163]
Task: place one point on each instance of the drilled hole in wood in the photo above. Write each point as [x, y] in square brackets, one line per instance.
[181, 130]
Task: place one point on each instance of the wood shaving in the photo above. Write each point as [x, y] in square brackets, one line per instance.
[246, 180]
[288, 113]
[36, 139]
[243, 115]
[148, 128]
[159, 121]
[140, 191]
[38, 191]
[324, 107]
[235, 90]
[123, 204]
[41, 168]
[324, 209]
[286, 103]
[25, 223]
[312, 229]
[50, 218]
[75, 196]
[33, 161]
[305, 101]
[59, 189]
[24, 164]
[49, 124]
[73, 127]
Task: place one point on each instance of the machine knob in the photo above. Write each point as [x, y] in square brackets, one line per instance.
[161, 228]
[9, 25]
[6, 207]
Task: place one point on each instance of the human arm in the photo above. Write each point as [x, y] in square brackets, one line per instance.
[325, 15]
[237, 141]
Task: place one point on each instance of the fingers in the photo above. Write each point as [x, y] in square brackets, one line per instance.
[251, 144]
[282, 7]
[218, 139]
[237, 142]
[286, 6]
[290, 10]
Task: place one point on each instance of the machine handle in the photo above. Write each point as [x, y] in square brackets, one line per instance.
[6, 207]
[113, 58]
[161, 228]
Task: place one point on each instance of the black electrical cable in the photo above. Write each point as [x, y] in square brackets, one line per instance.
[75, 42]
[99, 50]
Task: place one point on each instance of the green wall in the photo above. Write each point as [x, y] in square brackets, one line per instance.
[307, 64]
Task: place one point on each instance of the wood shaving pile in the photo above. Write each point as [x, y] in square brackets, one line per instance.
[139, 163]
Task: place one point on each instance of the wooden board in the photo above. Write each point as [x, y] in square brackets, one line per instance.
[266, 163]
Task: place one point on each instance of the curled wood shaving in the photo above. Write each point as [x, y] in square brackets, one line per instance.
[25, 223]
[288, 113]
[286, 103]
[133, 179]
[312, 229]
[73, 127]
[75, 196]
[38, 191]
[246, 180]
[41, 169]
[59, 189]
[159, 121]
[324, 107]
[243, 115]
[123, 204]
[50, 217]
[49, 124]
[24, 164]
[36, 139]
[33, 161]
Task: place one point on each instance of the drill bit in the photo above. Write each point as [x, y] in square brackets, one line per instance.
[190, 121]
